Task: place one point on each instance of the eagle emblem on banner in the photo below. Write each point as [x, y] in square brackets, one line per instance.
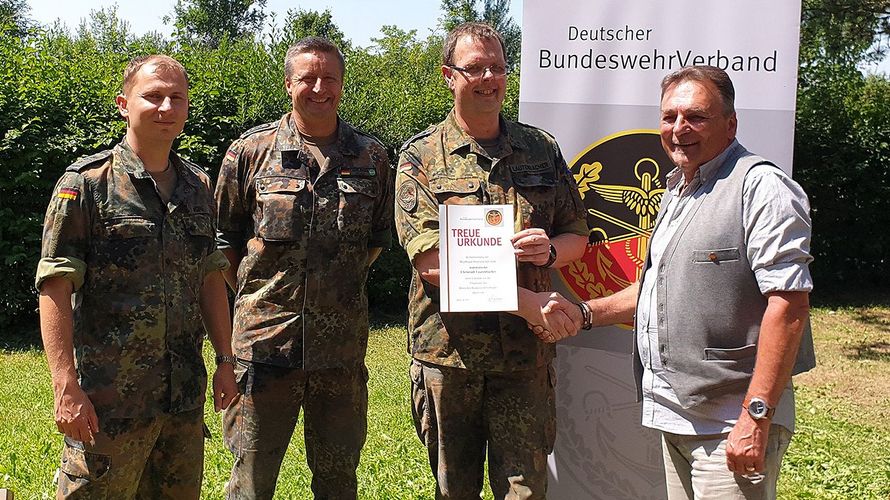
[621, 179]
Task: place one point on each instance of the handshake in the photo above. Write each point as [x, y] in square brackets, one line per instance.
[553, 317]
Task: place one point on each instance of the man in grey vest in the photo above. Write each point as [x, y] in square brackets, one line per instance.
[723, 305]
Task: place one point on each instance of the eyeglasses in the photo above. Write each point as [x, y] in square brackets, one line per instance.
[479, 72]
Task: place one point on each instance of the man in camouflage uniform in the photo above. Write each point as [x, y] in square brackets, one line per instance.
[484, 380]
[305, 206]
[129, 237]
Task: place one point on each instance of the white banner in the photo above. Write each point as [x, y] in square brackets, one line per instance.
[590, 75]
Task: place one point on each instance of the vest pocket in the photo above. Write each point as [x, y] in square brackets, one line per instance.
[733, 354]
[279, 199]
[716, 256]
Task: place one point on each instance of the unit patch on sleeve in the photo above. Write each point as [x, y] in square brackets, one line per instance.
[407, 195]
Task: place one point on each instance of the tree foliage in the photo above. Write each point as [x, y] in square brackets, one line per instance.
[842, 146]
[301, 23]
[494, 12]
[14, 16]
[844, 30]
[209, 22]
[57, 104]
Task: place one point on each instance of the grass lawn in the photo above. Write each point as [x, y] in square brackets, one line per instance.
[841, 450]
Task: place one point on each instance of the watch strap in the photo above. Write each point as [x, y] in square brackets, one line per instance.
[223, 358]
[552, 258]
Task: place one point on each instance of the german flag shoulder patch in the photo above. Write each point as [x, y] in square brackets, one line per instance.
[69, 193]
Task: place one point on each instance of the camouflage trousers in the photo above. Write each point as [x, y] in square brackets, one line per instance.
[458, 412]
[259, 426]
[158, 457]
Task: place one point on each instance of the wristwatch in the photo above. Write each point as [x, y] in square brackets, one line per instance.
[552, 258]
[758, 409]
[222, 358]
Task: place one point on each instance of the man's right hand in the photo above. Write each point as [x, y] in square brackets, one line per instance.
[559, 303]
[75, 415]
[549, 325]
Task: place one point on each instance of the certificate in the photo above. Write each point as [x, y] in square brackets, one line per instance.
[477, 265]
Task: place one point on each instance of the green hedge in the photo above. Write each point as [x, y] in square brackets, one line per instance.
[57, 104]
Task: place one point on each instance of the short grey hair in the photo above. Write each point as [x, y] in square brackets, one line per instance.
[312, 44]
[704, 73]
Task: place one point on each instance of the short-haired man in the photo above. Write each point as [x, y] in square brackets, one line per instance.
[483, 381]
[722, 308]
[129, 236]
[305, 206]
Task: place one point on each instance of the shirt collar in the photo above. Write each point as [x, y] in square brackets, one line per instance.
[704, 172]
[456, 138]
[288, 137]
[132, 164]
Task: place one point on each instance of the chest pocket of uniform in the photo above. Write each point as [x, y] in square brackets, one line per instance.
[199, 230]
[536, 196]
[358, 196]
[535, 181]
[280, 202]
[126, 240]
[458, 191]
[128, 227]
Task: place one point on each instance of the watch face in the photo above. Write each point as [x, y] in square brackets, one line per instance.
[757, 408]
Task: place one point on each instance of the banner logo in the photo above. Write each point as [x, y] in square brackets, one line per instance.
[621, 179]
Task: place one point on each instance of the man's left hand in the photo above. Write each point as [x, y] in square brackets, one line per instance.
[225, 389]
[746, 445]
[532, 245]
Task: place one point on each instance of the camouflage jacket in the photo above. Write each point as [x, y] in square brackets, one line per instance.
[137, 268]
[444, 165]
[301, 298]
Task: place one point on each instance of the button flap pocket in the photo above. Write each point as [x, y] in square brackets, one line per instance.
[130, 227]
[462, 185]
[367, 187]
[716, 256]
[80, 463]
[280, 185]
[199, 225]
[540, 179]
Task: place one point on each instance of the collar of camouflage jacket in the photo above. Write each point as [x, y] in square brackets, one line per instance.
[287, 138]
[455, 138]
[128, 161]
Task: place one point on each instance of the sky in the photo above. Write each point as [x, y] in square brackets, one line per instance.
[360, 20]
